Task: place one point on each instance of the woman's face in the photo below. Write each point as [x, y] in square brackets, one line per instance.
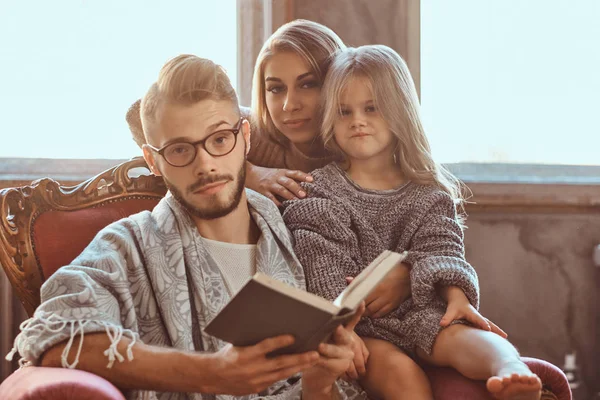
[292, 95]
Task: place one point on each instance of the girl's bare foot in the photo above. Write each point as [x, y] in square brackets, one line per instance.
[515, 381]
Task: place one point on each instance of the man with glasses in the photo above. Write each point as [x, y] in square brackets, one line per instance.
[132, 307]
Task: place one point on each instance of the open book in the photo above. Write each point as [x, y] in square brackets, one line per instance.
[265, 308]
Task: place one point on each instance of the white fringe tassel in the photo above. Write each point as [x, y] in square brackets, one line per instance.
[38, 328]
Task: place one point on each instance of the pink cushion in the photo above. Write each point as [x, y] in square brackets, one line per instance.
[41, 383]
[448, 384]
[60, 236]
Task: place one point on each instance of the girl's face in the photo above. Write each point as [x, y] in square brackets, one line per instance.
[292, 95]
[360, 130]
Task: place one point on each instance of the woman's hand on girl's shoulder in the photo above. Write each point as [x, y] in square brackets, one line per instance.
[276, 183]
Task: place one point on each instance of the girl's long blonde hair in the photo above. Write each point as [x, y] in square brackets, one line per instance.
[396, 99]
[314, 42]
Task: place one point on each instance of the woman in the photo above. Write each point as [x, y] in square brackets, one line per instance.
[286, 89]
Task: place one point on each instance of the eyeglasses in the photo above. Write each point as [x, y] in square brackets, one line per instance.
[217, 144]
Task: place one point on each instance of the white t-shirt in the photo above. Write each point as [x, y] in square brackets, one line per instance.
[237, 262]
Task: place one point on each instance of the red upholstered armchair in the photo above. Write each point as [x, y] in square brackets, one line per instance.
[44, 226]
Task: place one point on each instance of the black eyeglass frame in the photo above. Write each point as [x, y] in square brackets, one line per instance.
[235, 130]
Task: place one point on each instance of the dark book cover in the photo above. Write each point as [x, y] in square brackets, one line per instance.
[258, 312]
[265, 308]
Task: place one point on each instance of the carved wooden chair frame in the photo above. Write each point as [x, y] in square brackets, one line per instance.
[19, 208]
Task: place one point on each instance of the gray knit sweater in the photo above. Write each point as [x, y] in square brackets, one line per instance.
[340, 228]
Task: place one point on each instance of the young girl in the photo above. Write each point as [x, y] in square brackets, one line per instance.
[388, 193]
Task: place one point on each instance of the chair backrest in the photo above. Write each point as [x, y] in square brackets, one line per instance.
[44, 226]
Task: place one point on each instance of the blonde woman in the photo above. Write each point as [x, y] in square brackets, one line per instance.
[286, 89]
[388, 193]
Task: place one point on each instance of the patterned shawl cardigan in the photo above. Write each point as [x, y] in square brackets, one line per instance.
[148, 277]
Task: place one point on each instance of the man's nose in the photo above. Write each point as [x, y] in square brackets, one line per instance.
[204, 162]
[292, 101]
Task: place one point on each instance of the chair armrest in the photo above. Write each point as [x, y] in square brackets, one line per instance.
[42, 383]
[553, 378]
[448, 384]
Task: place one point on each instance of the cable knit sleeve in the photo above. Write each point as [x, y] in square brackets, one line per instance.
[323, 242]
[437, 254]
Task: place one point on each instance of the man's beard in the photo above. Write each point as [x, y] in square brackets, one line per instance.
[212, 211]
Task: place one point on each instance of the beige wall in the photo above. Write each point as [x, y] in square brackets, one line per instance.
[538, 281]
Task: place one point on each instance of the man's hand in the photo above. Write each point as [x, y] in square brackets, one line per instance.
[358, 367]
[390, 293]
[274, 183]
[459, 307]
[336, 358]
[247, 370]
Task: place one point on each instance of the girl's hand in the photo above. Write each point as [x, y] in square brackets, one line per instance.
[276, 183]
[459, 307]
[389, 294]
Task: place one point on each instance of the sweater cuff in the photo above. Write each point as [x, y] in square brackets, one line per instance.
[429, 273]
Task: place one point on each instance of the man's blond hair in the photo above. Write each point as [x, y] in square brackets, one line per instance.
[184, 80]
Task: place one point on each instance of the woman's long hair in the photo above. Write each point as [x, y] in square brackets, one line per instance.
[314, 42]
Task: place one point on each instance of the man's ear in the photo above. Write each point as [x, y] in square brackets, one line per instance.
[246, 132]
[150, 160]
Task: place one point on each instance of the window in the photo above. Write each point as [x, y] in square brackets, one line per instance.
[511, 81]
[71, 69]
